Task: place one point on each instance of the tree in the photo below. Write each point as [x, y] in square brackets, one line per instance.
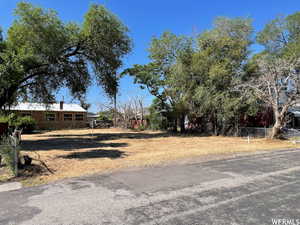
[282, 36]
[159, 115]
[85, 105]
[217, 65]
[198, 80]
[131, 109]
[278, 67]
[160, 76]
[277, 85]
[42, 54]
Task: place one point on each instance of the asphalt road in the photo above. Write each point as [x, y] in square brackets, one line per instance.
[257, 189]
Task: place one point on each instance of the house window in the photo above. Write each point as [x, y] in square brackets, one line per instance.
[68, 116]
[50, 116]
[25, 114]
[78, 116]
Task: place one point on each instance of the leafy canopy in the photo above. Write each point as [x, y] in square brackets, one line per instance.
[42, 54]
[282, 36]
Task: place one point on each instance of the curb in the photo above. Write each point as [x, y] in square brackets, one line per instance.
[10, 186]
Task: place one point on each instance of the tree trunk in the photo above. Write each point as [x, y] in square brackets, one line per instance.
[175, 125]
[216, 133]
[182, 125]
[115, 109]
[276, 130]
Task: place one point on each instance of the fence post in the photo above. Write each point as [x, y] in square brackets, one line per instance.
[16, 158]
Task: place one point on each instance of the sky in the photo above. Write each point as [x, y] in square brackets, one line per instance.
[149, 18]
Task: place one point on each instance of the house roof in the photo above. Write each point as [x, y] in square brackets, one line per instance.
[92, 115]
[296, 113]
[26, 106]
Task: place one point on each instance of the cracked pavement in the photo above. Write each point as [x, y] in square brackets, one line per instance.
[249, 189]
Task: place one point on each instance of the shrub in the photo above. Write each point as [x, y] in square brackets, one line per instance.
[4, 119]
[141, 128]
[27, 123]
[11, 119]
[7, 151]
[157, 121]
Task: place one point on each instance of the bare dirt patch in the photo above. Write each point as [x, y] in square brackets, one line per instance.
[72, 153]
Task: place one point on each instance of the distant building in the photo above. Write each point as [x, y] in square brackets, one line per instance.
[53, 116]
[92, 116]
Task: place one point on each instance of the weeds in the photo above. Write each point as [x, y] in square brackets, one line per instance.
[8, 152]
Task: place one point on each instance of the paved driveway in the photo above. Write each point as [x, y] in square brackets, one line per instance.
[256, 189]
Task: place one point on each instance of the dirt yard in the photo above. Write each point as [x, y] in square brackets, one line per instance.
[72, 153]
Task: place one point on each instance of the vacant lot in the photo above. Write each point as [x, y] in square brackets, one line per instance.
[72, 153]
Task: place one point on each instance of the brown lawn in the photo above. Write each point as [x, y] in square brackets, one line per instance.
[79, 152]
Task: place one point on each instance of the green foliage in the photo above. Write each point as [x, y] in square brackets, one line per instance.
[107, 41]
[157, 122]
[282, 36]
[158, 116]
[3, 119]
[218, 65]
[27, 123]
[41, 53]
[198, 77]
[141, 128]
[106, 115]
[7, 151]
[10, 119]
[166, 75]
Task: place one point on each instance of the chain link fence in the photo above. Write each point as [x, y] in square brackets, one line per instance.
[255, 132]
[292, 135]
[262, 132]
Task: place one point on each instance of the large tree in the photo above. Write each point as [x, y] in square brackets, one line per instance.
[217, 65]
[277, 85]
[277, 82]
[41, 54]
[281, 36]
[198, 80]
[164, 76]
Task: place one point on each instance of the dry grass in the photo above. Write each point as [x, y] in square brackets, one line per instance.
[79, 152]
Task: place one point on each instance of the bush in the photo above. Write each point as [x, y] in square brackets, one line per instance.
[157, 121]
[11, 119]
[7, 151]
[141, 128]
[4, 119]
[27, 123]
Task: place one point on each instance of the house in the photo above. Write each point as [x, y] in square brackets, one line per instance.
[294, 116]
[92, 116]
[139, 119]
[53, 116]
[91, 119]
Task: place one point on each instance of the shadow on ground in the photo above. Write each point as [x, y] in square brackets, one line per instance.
[133, 135]
[112, 154]
[115, 136]
[30, 171]
[66, 144]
